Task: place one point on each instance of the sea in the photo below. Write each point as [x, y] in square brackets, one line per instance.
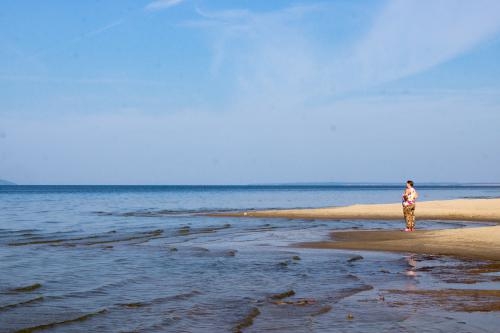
[155, 259]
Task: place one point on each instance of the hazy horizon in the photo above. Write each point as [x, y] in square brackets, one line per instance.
[254, 92]
[291, 184]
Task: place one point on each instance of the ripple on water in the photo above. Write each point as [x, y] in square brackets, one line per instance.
[106, 238]
[58, 321]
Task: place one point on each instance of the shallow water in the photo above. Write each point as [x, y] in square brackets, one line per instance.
[143, 259]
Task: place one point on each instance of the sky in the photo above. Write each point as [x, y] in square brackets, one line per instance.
[249, 92]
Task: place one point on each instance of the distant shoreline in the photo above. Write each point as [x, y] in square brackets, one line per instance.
[4, 182]
[360, 185]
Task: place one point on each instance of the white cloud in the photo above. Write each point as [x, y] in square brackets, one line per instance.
[274, 57]
[162, 4]
[267, 54]
[105, 28]
[408, 37]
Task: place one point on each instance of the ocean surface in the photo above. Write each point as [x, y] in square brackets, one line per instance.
[148, 259]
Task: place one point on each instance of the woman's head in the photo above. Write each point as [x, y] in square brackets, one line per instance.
[409, 182]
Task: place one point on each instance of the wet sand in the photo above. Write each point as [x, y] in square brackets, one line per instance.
[479, 243]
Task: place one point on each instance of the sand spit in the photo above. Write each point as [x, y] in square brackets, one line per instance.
[477, 242]
[459, 209]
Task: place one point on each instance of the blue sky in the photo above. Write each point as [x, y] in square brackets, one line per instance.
[243, 92]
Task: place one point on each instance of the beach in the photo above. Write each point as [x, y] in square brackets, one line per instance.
[477, 242]
[478, 247]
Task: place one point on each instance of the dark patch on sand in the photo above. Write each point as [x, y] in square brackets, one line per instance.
[283, 294]
[28, 288]
[247, 321]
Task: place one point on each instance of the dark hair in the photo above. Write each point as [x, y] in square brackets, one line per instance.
[410, 182]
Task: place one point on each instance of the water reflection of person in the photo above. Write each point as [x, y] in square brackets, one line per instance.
[412, 266]
[411, 272]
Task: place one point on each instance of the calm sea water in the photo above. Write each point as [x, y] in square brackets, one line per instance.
[146, 259]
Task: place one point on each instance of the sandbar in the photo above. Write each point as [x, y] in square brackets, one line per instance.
[458, 210]
[472, 242]
[475, 243]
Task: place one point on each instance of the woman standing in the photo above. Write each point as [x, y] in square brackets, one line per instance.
[410, 195]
